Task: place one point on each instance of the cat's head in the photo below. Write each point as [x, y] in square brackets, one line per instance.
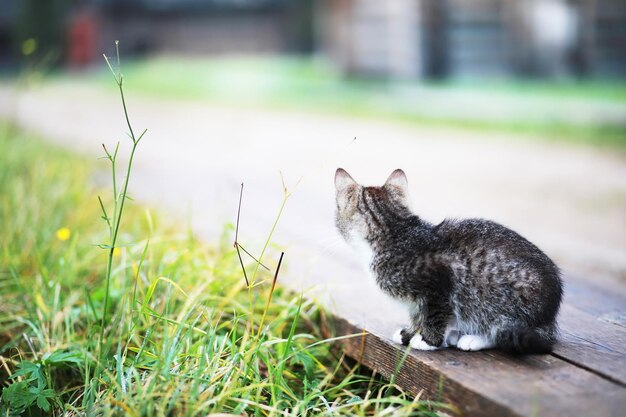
[365, 212]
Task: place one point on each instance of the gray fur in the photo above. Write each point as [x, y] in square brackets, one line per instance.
[472, 276]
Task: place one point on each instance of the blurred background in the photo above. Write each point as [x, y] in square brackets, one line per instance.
[553, 66]
[399, 39]
[506, 109]
[406, 39]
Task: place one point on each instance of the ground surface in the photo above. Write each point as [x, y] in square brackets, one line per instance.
[569, 201]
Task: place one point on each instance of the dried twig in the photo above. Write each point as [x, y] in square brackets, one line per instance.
[238, 246]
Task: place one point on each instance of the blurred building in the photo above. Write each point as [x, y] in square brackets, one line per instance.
[439, 38]
[401, 39]
[208, 26]
[77, 31]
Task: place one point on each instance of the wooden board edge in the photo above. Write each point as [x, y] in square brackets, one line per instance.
[414, 376]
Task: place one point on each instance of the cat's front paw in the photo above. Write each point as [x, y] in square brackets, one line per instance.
[420, 344]
[402, 336]
[397, 336]
[471, 342]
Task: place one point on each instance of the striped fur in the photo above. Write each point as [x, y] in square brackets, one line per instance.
[474, 278]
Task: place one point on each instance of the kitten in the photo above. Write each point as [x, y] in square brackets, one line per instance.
[473, 284]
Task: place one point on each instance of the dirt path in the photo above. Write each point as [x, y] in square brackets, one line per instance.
[571, 202]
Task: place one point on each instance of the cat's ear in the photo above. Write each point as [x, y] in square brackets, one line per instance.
[343, 180]
[398, 179]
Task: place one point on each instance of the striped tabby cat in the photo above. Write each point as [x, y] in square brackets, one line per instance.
[473, 284]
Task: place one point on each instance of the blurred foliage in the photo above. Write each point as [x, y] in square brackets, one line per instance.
[40, 30]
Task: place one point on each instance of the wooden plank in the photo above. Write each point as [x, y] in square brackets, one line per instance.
[593, 328]
[415, 375]
[585, 376]
[603, 302]
[592, 343]
[489, 383]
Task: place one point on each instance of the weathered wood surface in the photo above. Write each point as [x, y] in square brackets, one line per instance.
[593, 329]
[592, 343]
[585, 375]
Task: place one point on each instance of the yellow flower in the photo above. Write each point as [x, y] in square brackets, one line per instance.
[63, 233]
[116, 251]
[29, 46]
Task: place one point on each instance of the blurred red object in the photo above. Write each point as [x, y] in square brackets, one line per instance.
[82, 38]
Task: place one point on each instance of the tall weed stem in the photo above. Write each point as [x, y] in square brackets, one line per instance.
[119, 200]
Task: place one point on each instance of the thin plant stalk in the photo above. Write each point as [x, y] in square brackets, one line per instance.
[119, 200]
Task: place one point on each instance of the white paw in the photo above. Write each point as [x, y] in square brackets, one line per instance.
[418, 343]
[397, 336]
[474, 342]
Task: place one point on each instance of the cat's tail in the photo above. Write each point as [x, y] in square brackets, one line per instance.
[522, 340]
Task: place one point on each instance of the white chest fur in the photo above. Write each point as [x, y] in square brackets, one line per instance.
[366, 254]
[363, 250]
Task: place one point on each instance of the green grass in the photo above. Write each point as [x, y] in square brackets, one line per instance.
[537, 109]
[183, 335]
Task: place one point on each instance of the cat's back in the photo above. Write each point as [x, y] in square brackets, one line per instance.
[485, 245]
[484, 248]
[493, 260]
[484, 235]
